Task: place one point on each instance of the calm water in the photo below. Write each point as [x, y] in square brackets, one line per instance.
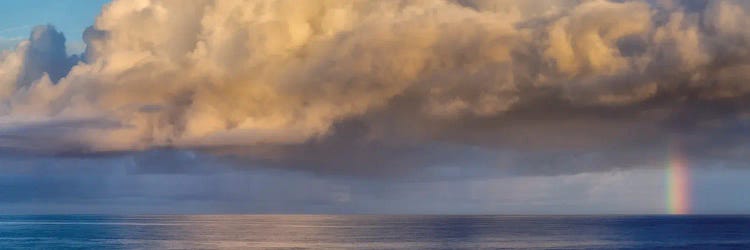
[374, 232]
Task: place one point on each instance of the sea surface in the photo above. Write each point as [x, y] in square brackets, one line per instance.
[373, 232]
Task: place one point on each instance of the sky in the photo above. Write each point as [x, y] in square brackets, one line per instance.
[437, 107]
[69, 16]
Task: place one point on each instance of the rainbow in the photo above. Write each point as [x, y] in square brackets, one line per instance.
[678, 183]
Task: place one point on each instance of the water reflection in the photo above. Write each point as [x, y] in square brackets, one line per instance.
[372, 232]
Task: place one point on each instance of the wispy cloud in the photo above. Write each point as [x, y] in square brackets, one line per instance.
[9, 42]
[15, 29]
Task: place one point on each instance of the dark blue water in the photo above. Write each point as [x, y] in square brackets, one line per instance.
[374, 232]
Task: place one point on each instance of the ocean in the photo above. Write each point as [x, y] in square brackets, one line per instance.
[373, 232]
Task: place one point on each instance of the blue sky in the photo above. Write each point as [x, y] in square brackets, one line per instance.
[69, 16]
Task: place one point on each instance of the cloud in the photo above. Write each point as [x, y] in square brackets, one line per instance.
[381, 87]
[54, 185]
[45, 54]
[9, 42]
[17, 28]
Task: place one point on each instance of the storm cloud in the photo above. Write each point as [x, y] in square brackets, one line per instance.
[387, 87]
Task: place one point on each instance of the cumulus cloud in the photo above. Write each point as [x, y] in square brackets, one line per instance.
[386, 86]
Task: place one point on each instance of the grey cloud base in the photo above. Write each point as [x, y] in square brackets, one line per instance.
[115, 185]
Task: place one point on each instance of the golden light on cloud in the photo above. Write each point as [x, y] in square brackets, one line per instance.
[297, 76]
